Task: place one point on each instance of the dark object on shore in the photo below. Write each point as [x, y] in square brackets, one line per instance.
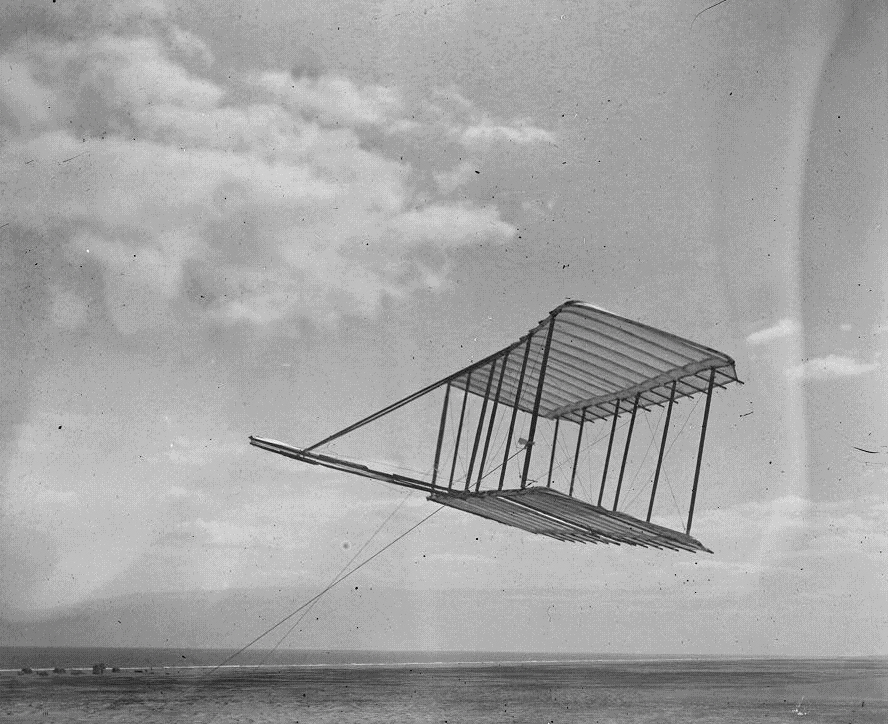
[115, 670]
[58, 670]
[99, 668]
[42, 673]
[140, 671]
[26, 670]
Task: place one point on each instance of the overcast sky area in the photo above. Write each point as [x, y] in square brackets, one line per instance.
[229, 218]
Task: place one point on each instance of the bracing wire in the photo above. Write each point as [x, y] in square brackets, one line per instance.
[561, 459]
[641, 464]
[675, 440]
[569, 458]
[339, 580]
[665, 455]
[687, 420]
[582, 479]
[672, 493]
[493, 470]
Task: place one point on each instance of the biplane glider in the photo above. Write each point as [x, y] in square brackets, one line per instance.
[512, 426]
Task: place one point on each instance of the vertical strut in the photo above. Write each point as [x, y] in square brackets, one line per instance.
[610, 445]
[700, 451]
[515, 410]
[536, 403]
[662, 450]
[462, 416]
[552, 457]
[626, 450]
[440, 435]
[496, 399]
[573, 473]
[480, 425]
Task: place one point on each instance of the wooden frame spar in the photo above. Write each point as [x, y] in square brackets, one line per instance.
[579, 365]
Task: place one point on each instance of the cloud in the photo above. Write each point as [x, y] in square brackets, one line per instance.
[159, 193]
[786, 327]
[231, 533]
[520, 133]
[251, 199]
[823, 523]
[793, 542]
[333, 100]
[31, 104]
[448, 116]
[448, 181]
[191, 46]
[450, 224]
[821, 368]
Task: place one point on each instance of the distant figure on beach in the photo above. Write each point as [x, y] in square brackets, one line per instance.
[99, 668]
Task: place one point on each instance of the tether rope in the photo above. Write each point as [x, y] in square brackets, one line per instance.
[336, 578]
[316, 597]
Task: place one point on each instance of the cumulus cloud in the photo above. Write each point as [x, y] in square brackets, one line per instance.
[448, 181]
[450, 115]
[520, 133]
[191, 46]
[786, 327]
[821, 368]
[244, 200]
[799, 538]
[333, 100]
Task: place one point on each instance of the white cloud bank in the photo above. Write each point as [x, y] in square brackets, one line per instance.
[786, 327]
[831, 366]
[520, 133]
[250, 199]
[814, 545]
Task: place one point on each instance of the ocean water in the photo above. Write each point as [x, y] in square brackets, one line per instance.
[364, 687]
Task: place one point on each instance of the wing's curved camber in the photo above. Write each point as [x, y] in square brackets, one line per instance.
[578, 366]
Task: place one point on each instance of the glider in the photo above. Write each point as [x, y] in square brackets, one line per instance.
[579, 366]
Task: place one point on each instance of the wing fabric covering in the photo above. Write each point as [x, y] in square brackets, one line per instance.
[516, 440]
[597, 358]
[552, 513]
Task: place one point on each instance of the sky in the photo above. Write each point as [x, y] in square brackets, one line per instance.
[233, 218]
